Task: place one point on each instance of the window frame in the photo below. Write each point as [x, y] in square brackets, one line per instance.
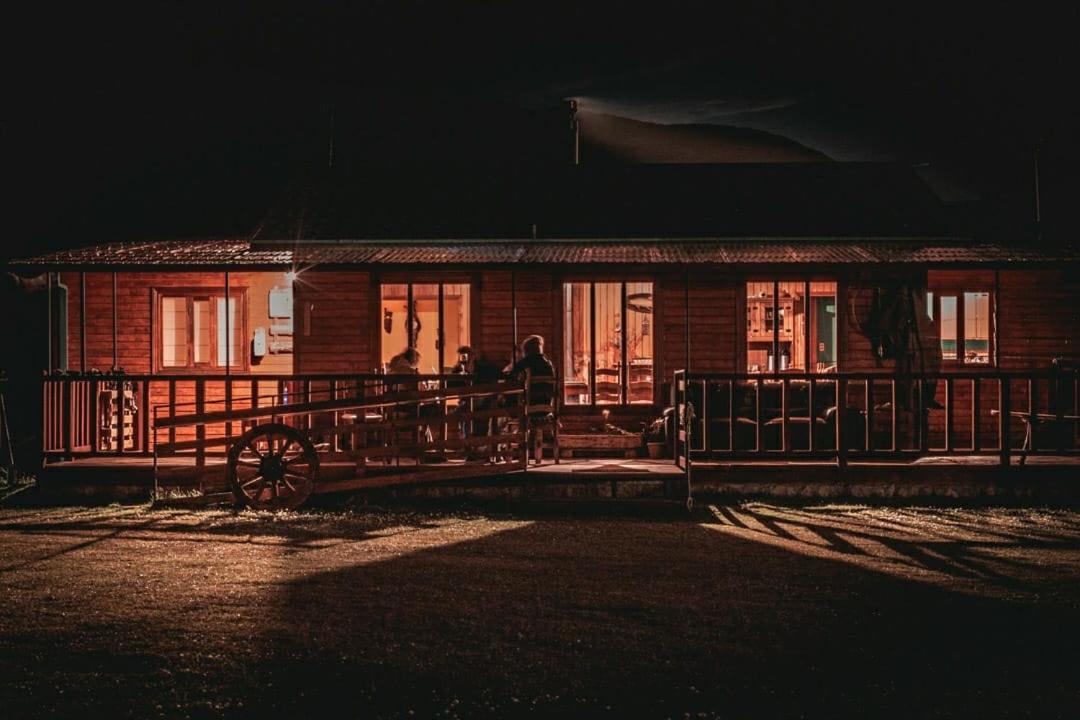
[776, 279]
[190, 295]
[624, 380]
[958, 290]
[440, 337]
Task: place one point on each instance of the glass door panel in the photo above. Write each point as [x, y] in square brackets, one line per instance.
[577, 324]
[639, 342]
[609, 336]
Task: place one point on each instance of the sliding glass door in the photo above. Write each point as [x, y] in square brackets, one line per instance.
[432, 318]
[608, 343]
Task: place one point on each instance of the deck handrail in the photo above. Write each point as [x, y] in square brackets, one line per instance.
[76, 420]
[875, 414]
[305, 408]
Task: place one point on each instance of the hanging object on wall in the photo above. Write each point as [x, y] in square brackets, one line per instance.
[281, 303]
[258, 343]
[414, 333]
[280, 310]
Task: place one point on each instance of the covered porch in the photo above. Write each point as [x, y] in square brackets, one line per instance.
[122, 436]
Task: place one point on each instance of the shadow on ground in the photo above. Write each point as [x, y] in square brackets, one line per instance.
[741, 610]
[668, 618]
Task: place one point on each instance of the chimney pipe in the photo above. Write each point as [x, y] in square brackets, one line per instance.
[575, 125]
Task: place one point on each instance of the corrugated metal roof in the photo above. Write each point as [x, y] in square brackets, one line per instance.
[239, 253]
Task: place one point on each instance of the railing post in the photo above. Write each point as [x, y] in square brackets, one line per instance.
[1033, 415]
[894, 430]
[46, 413]
[278, 398]
[335, 419]
[228, 405]
[69, 416]
[706, 408]
[868, 426]
[689, 437]
[731, 416]
[757, 415]
[1004, 419]
[976, 406]
[155, 452]
[1058, 406]
[254, 401]
[811, 430]
[95, 418]
[118, 408]
[144, 413]
[923, 419]
[677, 422]
[200, 428]
[785, 405]
[306, 389]
[172, 408]
[523, 421]
[950, 414]
[841, 410]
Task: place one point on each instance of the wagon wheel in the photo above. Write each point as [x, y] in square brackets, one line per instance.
[272, 467]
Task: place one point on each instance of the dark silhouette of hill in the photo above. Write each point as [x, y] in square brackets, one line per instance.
[614, 138]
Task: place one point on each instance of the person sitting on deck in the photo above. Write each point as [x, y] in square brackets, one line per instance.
[484, 372]
[542, 393]
[405, 362]
[539, 366]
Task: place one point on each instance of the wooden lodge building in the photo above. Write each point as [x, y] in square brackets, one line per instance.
[757, 280]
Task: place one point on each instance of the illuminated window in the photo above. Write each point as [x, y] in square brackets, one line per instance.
[791, 326]
[416, 315]
[964, 324]
[977, 327]
[608, 343]
[948, 327]
[195, 332]
[229, 342]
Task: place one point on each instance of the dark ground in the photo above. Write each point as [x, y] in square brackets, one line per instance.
[751, 610]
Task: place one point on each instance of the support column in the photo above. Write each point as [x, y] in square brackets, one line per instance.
[82, 322]
[49, 321]
[114, 356]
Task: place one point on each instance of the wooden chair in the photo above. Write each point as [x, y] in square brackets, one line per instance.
[543, 417]
[607, 385]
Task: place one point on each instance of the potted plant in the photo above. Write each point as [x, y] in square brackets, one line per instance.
[656, 437]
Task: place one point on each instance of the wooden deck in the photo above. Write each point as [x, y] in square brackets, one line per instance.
[132, 478]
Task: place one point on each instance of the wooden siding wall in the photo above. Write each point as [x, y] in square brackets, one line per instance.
[494, 333]
[134, 319]
[99, 321]
[134, 296]
[341, 337]
[72, 280]
[1038, 318]
[537, 296]
[714, 324]
[856, 350]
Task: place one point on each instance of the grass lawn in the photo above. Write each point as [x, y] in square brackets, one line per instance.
[740, 610]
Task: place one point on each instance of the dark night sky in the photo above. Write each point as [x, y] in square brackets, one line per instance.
[161, 120]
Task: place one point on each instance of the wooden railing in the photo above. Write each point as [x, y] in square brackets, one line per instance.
[80, 410]
[339, 410]
[76, 419]
[105, 414]
[847, 415]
